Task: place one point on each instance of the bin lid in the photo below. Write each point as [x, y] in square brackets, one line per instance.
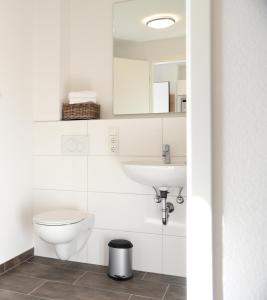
[120, 244]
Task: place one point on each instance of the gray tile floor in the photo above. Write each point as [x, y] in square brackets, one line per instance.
[45, 278]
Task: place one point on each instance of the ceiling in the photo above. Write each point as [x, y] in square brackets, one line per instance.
[128, 17]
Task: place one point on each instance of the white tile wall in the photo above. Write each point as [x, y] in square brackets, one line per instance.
[60, 173]
[174, 134]
[45, 200]
[174, 255]
[122, 208]
[147, 251]
[126, 212]
[177, 222]
[47, 135]
[131, 142]
[105, 174]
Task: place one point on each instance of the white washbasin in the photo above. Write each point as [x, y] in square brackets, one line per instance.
[156, 174]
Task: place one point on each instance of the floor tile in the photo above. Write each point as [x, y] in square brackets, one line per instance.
[19, 283]
[19, 259]
[176, 292]
[141, 298]
[165, 278]
[8, 295]
[48, 272]
[133, 286]
[88, 267]
[59, 291]
[49, 261]
[98, 269]
[59, 280]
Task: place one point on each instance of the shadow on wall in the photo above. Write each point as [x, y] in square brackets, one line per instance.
[26, 213]
[217, 114]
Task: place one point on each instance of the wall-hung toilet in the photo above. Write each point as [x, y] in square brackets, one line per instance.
[67, 230]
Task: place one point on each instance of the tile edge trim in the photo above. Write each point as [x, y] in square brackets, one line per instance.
[15, 261]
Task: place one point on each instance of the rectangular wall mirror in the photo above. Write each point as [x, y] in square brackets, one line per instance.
[149, 63]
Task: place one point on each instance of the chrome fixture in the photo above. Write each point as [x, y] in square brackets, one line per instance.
[157, 197]
[166, 154]
[167, 207]
[180, 198]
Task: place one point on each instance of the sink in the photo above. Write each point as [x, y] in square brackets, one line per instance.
[156, 174]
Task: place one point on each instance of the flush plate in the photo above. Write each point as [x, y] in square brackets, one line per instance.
[75, 144]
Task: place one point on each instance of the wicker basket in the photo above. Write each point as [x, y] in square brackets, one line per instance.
[81, 111]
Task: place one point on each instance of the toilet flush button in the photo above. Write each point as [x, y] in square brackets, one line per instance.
[74, 145]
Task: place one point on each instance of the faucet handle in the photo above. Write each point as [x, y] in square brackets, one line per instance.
[157, 197]
[166, 148]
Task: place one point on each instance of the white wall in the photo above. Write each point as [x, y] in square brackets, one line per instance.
[91, 50]
[51, 58]
[131, 87]
[153, 51]
[240, 148]
[94, 180]
[15, 127]
[73, 51]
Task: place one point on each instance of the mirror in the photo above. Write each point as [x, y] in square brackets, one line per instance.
[149, 56]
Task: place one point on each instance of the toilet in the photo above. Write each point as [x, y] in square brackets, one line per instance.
[67, 230]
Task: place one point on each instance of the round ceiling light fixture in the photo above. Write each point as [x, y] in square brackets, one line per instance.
[160, 22]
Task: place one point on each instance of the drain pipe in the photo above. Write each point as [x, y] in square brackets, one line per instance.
[167, 207]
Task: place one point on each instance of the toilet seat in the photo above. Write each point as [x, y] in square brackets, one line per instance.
[60, 217]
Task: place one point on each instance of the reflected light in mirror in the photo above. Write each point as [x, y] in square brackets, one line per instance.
[160, 22]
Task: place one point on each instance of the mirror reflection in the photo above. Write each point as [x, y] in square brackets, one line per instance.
[149, 67]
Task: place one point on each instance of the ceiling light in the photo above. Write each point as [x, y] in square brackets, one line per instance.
[160, 22]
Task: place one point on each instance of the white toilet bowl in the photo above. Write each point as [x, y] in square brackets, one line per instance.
[68, 230]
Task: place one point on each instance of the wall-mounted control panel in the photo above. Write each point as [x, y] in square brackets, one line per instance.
[113, 140]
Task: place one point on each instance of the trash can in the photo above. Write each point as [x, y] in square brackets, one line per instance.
[120, 260]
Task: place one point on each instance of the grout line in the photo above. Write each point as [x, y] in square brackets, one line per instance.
[28, 260]
[17, 265]
[162, 248]
[67, 268]
[36, 288]
[79, 277]
[87, 183]
[101, 192]
[102, 289]
[66, 264]
[87, 165]
[162, 131]
[107, 155]
[18, 293]
[90, 191]
[143, 277]
[166, 292]
[146, 297]
[128, 231]
[28, 275]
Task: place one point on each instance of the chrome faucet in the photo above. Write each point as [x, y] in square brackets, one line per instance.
[166, 154]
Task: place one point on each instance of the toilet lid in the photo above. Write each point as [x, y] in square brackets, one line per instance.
[60, 217]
